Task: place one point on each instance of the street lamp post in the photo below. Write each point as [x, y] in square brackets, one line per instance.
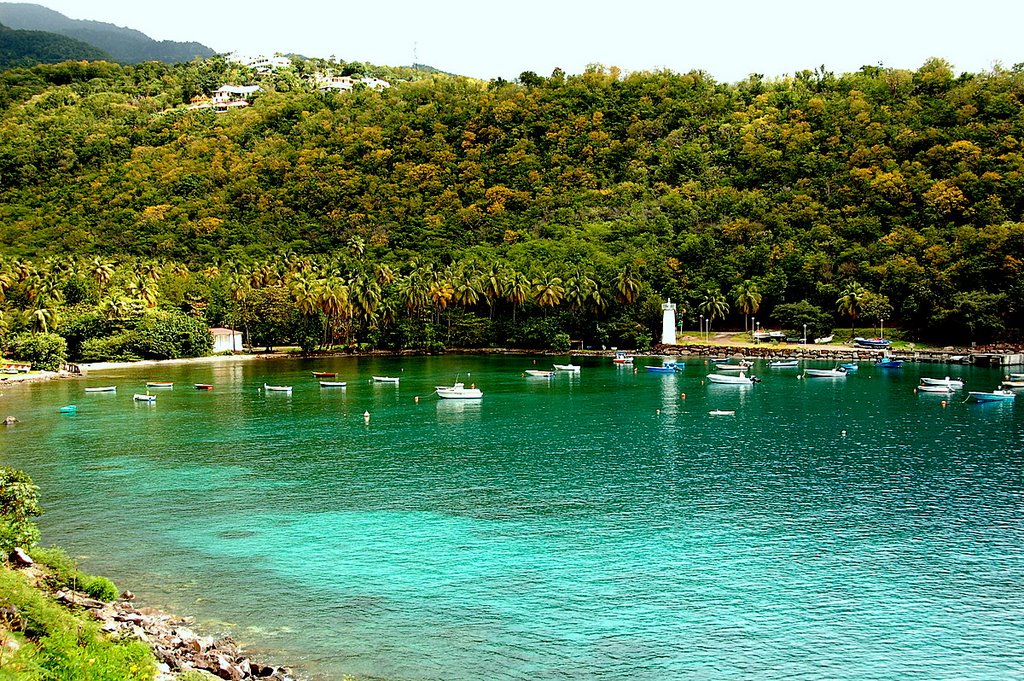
[805, 334]
[753, 323]
[702, 327]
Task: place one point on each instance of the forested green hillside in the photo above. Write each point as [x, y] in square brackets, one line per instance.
[26, 48]
[505, 212]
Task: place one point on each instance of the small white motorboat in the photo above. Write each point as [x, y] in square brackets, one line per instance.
[539, 373]
[947, 381]
[333, 384]
[622, 358]
[102, 389]
[567, 367]
[838, 372]
[459, 391]
[144, 398]
[784, 363]
[385, 379]
[729, 379]
[277, 388]
[994, 396]
[722, 412]
[159, 384]
[925, 388]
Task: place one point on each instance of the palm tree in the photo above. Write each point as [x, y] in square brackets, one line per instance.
[43, 318]
[627, 285]
[356, 246]
[548, 291]
[468, 288]
[748, 300]
[494, 286]
[713, 306]
[849, 303]
[517, 291]
[579, 289]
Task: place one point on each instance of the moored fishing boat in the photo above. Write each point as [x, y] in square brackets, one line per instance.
[722, 412]
[666, 368]
[784, 363]
[277, 388]
[459, 391]
[622, 358]
[994, 396]
[203, 386]
[889, 364]
[385, 379]
[942, 389]
[539, 373]
[333, 384]
[947, 381]
[68, 409]
[567, 367]
[729, 379]
[159, 384]
[324, 374]
[838, 372]
[144, 398]
[102, 389]
[850, 366]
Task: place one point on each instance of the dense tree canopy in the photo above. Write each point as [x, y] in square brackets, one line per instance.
[578, 199]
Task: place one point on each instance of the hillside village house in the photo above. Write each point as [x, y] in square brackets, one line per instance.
[260, 63]
[326, 83]
[227, 97]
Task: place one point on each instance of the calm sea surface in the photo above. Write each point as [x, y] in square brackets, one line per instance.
[832, 529]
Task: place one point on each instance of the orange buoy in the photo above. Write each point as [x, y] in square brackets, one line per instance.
[682, 396]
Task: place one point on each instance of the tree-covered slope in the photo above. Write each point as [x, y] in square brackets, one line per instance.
[26, 48]
[124, 45]
[906, 183]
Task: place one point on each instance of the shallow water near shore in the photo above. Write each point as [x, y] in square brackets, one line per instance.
[589, 526]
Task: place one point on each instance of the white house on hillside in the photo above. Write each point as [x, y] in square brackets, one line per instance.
[227, 97]
[326, 83]
[261, 63]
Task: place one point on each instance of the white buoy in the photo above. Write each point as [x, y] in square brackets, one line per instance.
[843, 433]
[366, 416]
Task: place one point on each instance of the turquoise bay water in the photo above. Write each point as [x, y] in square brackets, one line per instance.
[557, 529]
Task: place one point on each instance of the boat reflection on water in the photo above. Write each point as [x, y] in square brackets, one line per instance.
[457, 411]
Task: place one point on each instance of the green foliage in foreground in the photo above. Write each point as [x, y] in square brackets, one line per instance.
[56, 644]
[46, 351]
[63, 573]
[19, 506]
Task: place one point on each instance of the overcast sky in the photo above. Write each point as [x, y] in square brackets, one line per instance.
[486, 40]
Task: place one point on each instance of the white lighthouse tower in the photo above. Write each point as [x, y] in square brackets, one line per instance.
[668, 323]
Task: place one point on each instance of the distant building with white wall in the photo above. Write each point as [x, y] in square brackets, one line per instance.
[226, 340]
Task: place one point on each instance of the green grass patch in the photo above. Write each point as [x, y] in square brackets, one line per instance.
[64, 574]
[57, 644]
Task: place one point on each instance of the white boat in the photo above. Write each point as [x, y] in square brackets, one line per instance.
[1017, 377]
[277, 388]
[784, 363]
[722, 412]
[541, 373]
[144, 398]
[926, 388]
[947, 381]
[1012, 385]
[838, 372]
[159, 384]
[385, 379]
[824, 340]
[622, 358]
[994, 396]
[459, 391]
[102, 389]
[333, 384]
[729, 379]
[567, 367]
[742, 365]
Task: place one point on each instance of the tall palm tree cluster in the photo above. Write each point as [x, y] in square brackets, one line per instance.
[344, 298]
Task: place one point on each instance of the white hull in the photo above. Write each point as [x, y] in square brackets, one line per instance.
[105, 389]
[144, 398]
[825, 373]
[458, 392]
[277, 388]
[934, 389]
[332, 384]
[730, 380]
[567, 367]
[385, 379]
[948, 382]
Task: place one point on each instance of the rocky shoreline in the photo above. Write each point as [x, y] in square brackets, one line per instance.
[175, 645]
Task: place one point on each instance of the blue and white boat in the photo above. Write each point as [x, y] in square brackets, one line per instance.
[889, 364]
[666, 368]
[784, 363]
[872, 342]
[850, 367]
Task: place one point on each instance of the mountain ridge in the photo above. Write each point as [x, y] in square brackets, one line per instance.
[121, 44]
